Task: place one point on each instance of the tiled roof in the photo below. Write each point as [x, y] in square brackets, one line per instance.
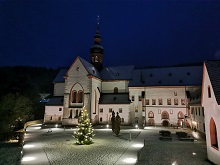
[195, 97]
[167, 76]
[115, 98]
[90, 68]
[59, 77]
[213, 68]
[117, 73]
[56, 101]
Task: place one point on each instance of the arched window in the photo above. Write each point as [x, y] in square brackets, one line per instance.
[73, 97]
[180, 115]
[100, 119]
[165, 115]
[115, 90]
[150, 114]
[209, 92]
[80, 96]
[213, 134]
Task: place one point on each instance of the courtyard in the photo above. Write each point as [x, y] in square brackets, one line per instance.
[56, 146]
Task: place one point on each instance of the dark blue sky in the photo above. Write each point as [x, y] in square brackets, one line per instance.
[52, 33]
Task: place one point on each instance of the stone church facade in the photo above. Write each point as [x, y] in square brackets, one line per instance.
[149, 96]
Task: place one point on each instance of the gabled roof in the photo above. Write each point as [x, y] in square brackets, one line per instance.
[213, 69]
[55, 101]
[195, 97]
[90, 68]
[117, 73]
[114, 98]
[167, 76]
[59, 78]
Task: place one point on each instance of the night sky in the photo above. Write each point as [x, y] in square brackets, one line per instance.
[52, 33]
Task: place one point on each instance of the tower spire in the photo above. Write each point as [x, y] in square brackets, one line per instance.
[97, 28]
[97, 51]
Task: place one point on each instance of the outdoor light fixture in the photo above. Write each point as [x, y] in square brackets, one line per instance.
[107, 126]
[27, 159]
[28, 146]
[174, 163]
[130, 160]
[136, 126]
[194, 153]
[56, 125]
[138, 145]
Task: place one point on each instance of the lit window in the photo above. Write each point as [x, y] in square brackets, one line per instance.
[153, 101]
[136, 109]
[183, 101]
[168, 101]
[147, 102]
[165, 115]
[74, 96]
[150, 114]
[80, 96]
[175, 101]
[160, 101]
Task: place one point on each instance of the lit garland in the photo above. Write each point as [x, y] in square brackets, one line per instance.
[84, 132]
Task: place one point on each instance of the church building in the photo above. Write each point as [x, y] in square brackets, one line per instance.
[149, 96]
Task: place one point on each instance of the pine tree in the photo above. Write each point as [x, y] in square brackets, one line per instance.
[84, 132]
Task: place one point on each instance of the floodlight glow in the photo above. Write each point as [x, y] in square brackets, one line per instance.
[174, 163]
[136, 126]
[194, 153]
[130, 160]
[27, 159]
[36, 128]
[28, 146]
[56, 125]
[138, 145]
[107, 126]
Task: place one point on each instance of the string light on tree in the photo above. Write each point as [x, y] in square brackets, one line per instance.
[84, 132]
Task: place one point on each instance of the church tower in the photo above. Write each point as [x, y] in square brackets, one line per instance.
[96, 50]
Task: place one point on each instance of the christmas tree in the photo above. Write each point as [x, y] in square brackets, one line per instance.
[84, 132]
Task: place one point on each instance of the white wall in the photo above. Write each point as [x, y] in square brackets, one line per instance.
[108, 86]
[212, 110]
[59, 89]
[106, 115]
[56, 112]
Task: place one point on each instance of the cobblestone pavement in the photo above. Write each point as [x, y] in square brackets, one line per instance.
[59, 148]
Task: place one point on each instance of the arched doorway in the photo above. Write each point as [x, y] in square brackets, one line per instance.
[165, 123]
[151, 122]
[213, 134]
[180, 123]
